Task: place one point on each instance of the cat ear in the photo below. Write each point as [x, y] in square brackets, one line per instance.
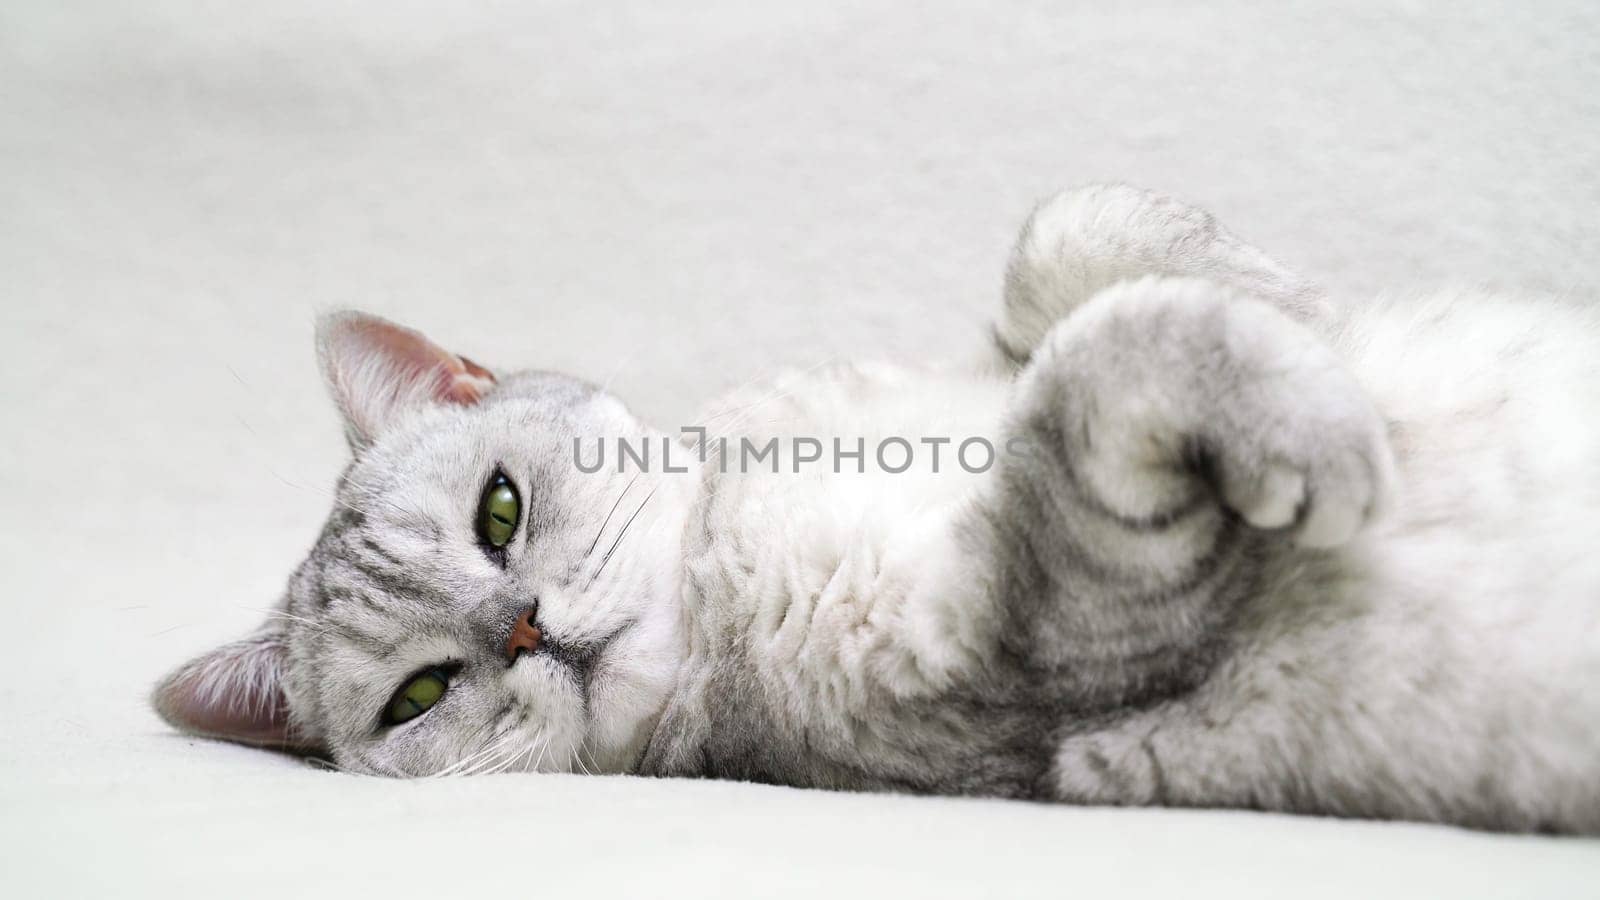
[377, 371]
[235, 692]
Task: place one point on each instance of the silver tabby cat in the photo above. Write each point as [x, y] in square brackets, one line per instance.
[1237, 545]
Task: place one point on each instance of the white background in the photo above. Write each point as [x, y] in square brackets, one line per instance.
[672, 201]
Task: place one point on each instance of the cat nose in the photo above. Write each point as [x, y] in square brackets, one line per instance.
[524, 634]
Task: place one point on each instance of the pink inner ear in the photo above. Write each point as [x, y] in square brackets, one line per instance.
[378, 371]
[477, 375]
[454, 379]
[234, 692]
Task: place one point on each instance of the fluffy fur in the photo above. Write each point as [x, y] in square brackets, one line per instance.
[1243, 546]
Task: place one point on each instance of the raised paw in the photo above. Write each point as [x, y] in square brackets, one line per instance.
[1325, 494]
[1161, 379]
[1292, 441]
[1081, 241]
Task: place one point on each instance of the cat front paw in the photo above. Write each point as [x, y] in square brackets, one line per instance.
[1159, 380]
[1299, 447]
[1323, 496]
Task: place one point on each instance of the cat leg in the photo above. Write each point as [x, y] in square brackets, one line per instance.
[1170, 429]
[1083, 240]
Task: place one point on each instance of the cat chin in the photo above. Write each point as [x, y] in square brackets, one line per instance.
[629, 684]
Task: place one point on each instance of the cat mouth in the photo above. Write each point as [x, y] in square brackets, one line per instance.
[578, 657]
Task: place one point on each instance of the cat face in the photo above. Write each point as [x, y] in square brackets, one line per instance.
[475, 601]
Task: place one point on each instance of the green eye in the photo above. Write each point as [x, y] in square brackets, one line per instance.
[498, 512]
[417, 697]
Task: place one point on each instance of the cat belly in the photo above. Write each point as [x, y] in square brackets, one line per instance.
[791, 574]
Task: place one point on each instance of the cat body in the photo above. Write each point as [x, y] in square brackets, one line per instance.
[1440, 666]
[1197, 536]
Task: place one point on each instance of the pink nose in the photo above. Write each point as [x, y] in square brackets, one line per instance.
[524, 635]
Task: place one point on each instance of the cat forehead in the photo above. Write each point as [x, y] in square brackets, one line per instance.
[530, 420]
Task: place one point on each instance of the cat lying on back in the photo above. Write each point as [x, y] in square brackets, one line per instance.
[1236, 546]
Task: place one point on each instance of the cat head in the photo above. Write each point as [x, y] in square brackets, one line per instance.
[475, 601]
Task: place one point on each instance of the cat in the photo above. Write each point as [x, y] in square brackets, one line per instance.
[1212, 540]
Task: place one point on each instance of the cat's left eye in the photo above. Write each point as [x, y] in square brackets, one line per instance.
[498, 512]
[416, 696]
